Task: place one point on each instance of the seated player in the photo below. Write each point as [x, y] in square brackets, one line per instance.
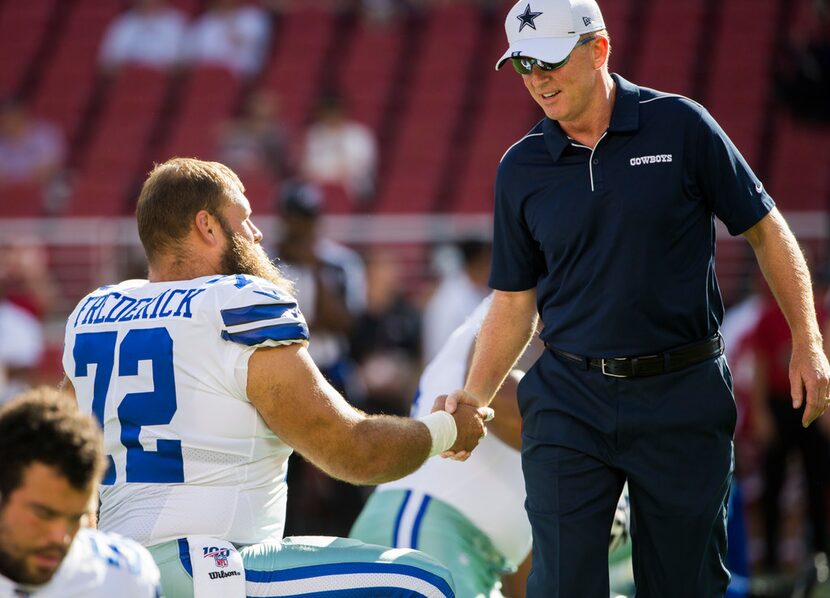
[53, 460]
[202, 381]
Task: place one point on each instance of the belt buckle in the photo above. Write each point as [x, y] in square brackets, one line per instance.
[604, 361]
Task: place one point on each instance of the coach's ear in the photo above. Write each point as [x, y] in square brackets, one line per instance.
[207, 228]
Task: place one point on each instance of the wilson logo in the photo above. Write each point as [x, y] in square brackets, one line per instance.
[650, 159]
[222, 574]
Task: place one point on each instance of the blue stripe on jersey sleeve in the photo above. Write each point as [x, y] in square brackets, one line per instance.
[254, 313]
[279, 332]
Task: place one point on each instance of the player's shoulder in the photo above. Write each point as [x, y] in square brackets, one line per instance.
[122, 287]
[123, 563]
[257, 312]
[243, 289]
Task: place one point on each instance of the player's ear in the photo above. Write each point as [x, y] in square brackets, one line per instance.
[207, 227]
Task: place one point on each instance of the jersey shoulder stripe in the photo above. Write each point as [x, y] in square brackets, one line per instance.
[286, 333]
[255, 313]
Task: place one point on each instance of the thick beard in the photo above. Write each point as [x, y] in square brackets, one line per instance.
[245, 257]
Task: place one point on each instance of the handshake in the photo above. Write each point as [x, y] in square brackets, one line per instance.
[469, 419]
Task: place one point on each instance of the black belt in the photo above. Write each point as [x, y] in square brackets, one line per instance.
[649, 365]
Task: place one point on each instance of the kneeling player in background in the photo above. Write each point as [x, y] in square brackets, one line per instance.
[470, 516]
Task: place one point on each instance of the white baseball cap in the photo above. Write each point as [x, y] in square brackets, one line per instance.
[548, 29]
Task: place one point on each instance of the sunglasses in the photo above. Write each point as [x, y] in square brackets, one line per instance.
[524, 64]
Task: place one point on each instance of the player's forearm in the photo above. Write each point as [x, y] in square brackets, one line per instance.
[503, 337]
[786, 272]
[380, 449]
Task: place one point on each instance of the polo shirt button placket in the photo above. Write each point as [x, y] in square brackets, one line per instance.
[597, 173]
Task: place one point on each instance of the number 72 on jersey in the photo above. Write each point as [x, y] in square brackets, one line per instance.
[137, 409]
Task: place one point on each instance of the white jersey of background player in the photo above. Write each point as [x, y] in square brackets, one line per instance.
[98, 565]
[195, 425]
[438, 509]
[493, 470]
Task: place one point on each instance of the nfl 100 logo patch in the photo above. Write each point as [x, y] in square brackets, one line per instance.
[219, 555]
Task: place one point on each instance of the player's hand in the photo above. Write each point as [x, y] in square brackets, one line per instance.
[810, 381]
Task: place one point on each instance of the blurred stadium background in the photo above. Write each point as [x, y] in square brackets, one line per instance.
[420, 76]
[425, 84]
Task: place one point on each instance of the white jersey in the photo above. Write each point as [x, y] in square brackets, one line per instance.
[98, 565]
[164, 367]
[494, 469]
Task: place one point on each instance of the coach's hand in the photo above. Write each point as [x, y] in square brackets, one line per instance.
[809, 381]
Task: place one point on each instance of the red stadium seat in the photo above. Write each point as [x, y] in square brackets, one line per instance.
[23, 26]
[129, 116]
[22, 200]
[69, 78]
[746, 58]
[367, 75]
[670, 45]
[800, 179]
[97, 193]
[303, 37]
[209, 99]
[423, 144]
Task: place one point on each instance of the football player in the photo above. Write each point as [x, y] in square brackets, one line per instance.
[53, 460]
[203, 383]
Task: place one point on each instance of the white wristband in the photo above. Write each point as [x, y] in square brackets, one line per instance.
[442, 429]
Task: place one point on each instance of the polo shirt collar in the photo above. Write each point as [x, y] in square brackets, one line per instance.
[626, 115]
[624, 119]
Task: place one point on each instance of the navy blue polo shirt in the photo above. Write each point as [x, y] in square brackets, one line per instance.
[619, 242]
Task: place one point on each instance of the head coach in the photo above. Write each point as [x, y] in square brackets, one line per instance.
[604, 225]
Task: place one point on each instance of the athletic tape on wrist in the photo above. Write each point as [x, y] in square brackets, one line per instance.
[442, 429]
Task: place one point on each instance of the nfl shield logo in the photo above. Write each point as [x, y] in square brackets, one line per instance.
[220, 555]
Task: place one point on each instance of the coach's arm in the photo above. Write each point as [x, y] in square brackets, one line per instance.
[308, 414]
[788, 277]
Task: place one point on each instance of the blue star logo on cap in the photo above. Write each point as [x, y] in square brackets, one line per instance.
[527, 18]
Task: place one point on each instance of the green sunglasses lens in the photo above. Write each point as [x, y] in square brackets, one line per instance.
[524, 64]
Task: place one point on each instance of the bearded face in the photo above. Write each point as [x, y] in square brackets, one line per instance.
[243, 256]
